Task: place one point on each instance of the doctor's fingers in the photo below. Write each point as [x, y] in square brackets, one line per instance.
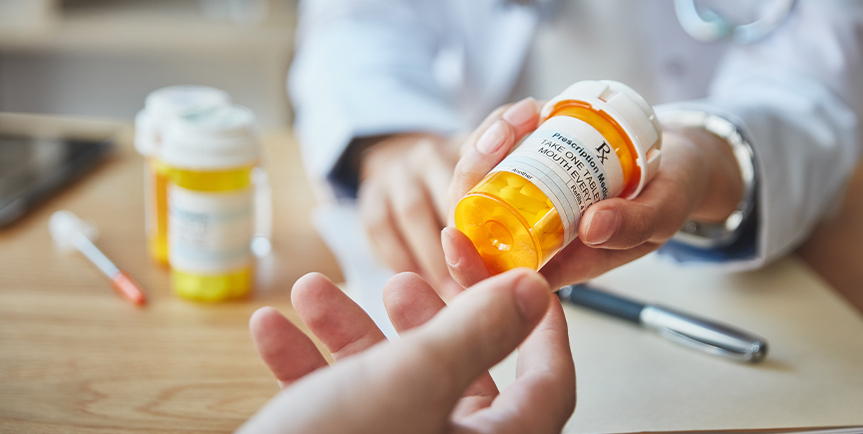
[575, 263]
[522, 116]
[433, 162]
[491, 143]
[415, 217]
[475, 164]
[578, 262]
[463, 260]
[655, 215]
[378, 218]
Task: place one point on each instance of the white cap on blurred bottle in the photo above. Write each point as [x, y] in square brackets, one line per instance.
[167, 103]
[211, 138]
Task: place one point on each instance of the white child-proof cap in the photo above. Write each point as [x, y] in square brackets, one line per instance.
[211, 138]
[630, 111]
[167, 103]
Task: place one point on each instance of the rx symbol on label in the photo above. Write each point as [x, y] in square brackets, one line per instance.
[603, 151]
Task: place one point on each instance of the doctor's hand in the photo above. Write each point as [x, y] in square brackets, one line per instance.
[435, 378]
[698, 179]
[403, 203]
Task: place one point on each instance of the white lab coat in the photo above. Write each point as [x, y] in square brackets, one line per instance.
[368, 67]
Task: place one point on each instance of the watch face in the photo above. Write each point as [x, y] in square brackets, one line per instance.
[704, 235]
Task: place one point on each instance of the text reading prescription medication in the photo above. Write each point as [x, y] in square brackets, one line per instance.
[209, 155]
[596, 140]
[160, 108]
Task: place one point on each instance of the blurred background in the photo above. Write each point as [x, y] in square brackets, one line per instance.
[102, 57]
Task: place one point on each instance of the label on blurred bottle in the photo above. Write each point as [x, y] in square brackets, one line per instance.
[571, 163]
[209, 232]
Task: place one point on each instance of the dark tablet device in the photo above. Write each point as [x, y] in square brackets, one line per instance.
[32, 168]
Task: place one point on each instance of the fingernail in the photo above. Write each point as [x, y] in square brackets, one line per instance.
[450, 253]
[531, 294]
[601, 227]
[492, 139]
[521, 112]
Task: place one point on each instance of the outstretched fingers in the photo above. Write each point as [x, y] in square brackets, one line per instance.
[479, 328]
[543, 396]
[342, 326]
[283, 347]
[411, 302]
[414, 384]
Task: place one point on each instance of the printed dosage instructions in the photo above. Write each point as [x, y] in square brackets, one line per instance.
[209, 232]
[574, 173]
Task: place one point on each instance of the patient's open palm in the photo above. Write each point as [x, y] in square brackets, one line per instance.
[435, 378]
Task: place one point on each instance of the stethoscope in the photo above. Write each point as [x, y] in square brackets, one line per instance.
[705, 24]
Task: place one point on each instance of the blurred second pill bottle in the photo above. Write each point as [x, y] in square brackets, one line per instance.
[162, 106]
[209, 155]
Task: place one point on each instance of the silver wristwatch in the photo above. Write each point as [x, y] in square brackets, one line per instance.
[719, 234]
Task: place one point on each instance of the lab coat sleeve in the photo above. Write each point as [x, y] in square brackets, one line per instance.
[799, 94]
[365, 68]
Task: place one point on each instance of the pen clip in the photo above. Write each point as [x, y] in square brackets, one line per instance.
[704, 335]
[691, 342]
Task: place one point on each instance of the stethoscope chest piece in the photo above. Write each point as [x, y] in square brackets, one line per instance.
[707, 25]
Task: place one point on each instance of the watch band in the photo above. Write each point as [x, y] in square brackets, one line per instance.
[719, 234]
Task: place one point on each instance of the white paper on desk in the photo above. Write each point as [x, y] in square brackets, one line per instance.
[339, 226]
[631, 380]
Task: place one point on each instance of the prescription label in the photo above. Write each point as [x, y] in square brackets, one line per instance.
[572, 164]
[209, 232]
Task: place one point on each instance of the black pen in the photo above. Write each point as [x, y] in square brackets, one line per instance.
[687, 329]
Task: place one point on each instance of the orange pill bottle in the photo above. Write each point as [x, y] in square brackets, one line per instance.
[596, 140]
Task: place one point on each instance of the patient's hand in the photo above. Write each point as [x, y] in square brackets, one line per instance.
[698, 179]
[435, 378]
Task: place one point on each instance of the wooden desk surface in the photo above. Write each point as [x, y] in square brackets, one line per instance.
[75, 358]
